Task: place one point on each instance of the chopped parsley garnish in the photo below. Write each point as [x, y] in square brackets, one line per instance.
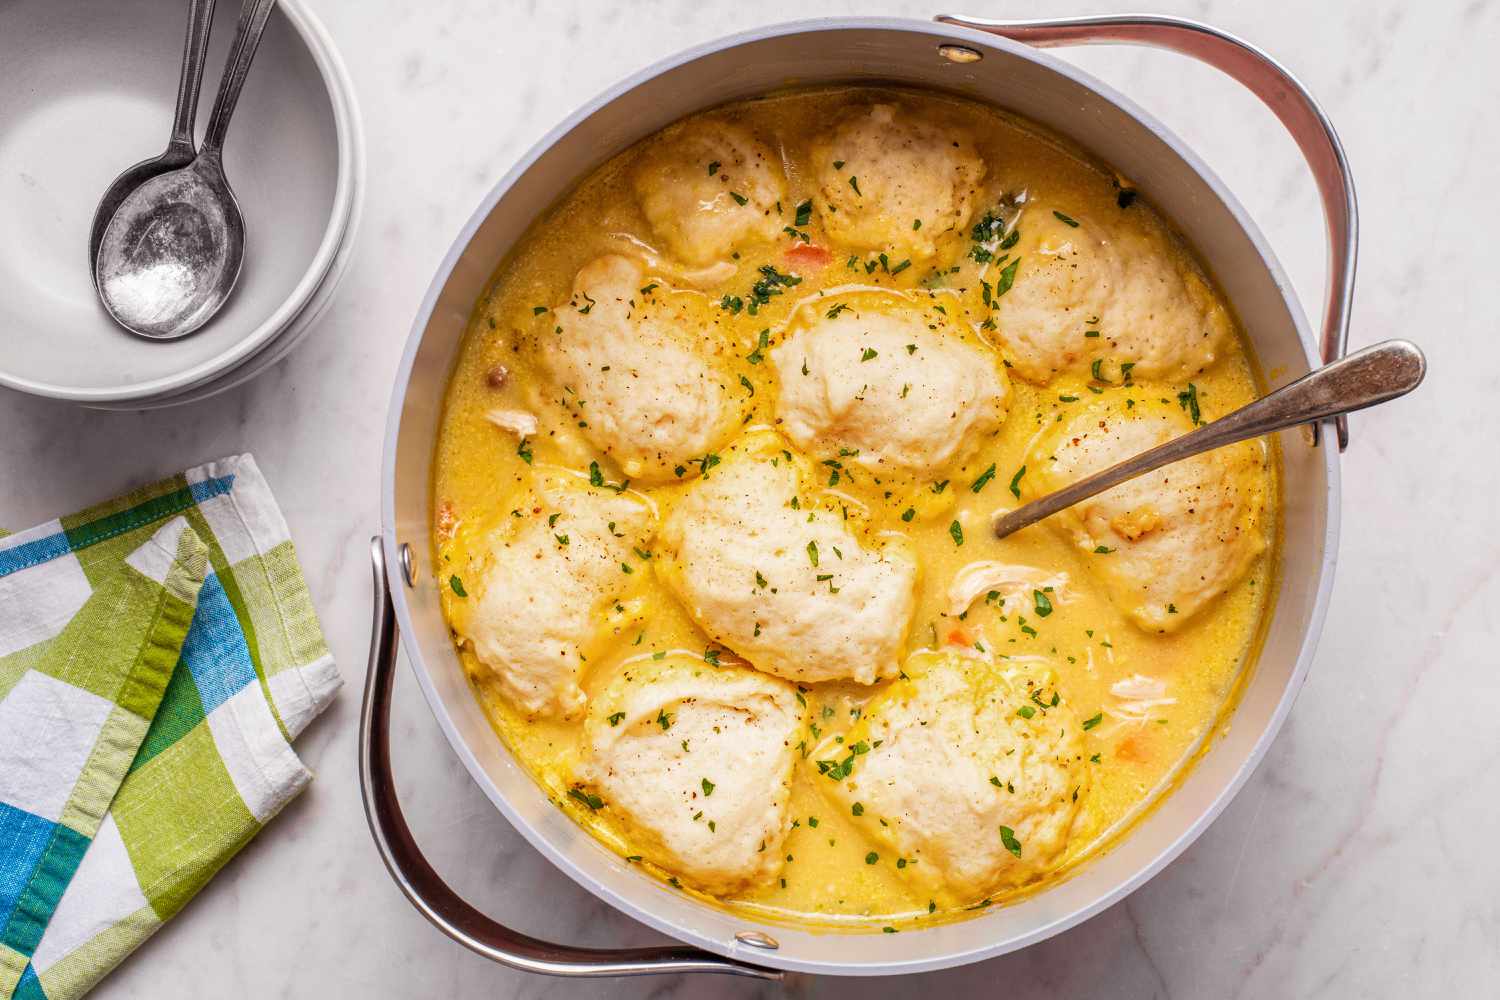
[739, 198]
[984, 478]
[1025, 711]
[908, 513]
[713, 167]
[1007, 277]
[614, 720]
[1102, 550]
[756, 356]
[857, 809]
[648, 289]
[458, 586]
[871, 858]
[1092, 722]
[594, 802]
[957, 531]
[1015, 482]
[772, 282]
[869, 354]
[663, 719]
[812, 552]
[711, 656]
[804, 213]
[750, 386]
[854, 183]
[1065, 219]
[1008, 838]
[596, 477]
[524, 450]
[837, 309]
[538, 310]
[708, 787]
[1043, 604]
[1188, 400]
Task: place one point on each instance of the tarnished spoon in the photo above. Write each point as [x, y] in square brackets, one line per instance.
[180, 149]
[1374, 375]
[172, 252]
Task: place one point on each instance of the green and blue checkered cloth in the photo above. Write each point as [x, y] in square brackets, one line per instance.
[158, 654]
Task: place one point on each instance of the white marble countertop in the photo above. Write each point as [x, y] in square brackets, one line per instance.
[1359, 860]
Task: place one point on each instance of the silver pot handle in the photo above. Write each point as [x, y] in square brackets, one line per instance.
[1287, 98]
[427, 891]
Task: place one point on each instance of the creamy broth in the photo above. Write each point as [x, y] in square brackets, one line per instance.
[1136, 746]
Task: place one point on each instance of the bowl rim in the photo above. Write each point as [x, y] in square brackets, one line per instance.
[348, 190]
[655, 917]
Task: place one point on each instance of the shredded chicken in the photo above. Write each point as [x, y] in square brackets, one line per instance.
[699, 277]
[1137, 695]
[518, 422]
[1013, 583]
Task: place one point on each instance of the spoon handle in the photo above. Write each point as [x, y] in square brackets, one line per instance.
[200, 21]
[252, 25]
[1374, 375]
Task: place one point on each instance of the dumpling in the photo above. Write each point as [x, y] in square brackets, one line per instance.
[1167, 543]
[890, 180]
[1146, 305]
[640, 370]
[869, 376]
[697, 762]
[538, 586]
[971, 772]
[709, 188]
[786, 586]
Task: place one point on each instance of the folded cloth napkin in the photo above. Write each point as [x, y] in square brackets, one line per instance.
[158, 653]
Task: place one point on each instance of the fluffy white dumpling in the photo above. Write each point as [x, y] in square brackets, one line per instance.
[891, 180]
[539, 585]
[640, 370]
[1172, 540]
[709, 188]
[889, 381]
[787, 587]
[697, 762]
[967, 770]
[1147, 305]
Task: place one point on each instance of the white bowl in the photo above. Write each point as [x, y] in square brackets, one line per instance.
[87, 89]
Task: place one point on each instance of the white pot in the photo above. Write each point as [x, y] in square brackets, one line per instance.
[1008, 74]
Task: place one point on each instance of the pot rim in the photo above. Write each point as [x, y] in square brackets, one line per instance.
[1306, 649]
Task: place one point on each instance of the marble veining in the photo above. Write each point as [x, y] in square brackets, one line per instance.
[1358, 861]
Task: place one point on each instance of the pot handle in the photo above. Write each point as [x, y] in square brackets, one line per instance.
[1287, 98]
[427, 891]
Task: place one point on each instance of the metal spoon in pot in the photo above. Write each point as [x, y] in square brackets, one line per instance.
[1374, 375]
[171, 253]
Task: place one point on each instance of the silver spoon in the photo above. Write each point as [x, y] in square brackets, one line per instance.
[180, 150]
[1374, 375]
[172, 251]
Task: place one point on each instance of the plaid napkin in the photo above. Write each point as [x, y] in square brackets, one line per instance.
[157, 655]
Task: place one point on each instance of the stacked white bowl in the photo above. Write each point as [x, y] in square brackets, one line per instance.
[86, 89]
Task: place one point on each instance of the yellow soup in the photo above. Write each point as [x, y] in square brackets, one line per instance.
[715, 474]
